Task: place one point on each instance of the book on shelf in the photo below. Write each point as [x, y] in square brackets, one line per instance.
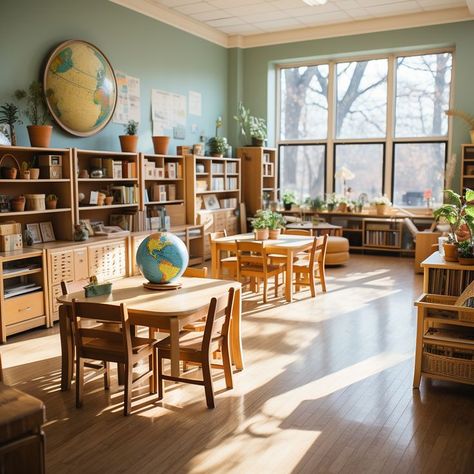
[229, 203]
[232, 183]
[129, 169]
[217, 184]
[125, 194]
[217, 168]
[232, 168]
[21, 289]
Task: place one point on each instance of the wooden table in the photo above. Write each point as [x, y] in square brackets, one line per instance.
[319, 228]
[170, 310]
[287, 245]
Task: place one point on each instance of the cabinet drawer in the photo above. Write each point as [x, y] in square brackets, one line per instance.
[108, 261]
[55, 293]
[61, 267]
[81, 266]
[22, 308]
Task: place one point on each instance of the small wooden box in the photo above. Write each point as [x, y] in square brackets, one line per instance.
[51, 172]
[11, 242]
[8, 228]
[171, 170]
[171, 192]
[184, 150]
[50, 160]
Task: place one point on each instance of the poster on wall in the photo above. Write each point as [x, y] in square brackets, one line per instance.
[168, 113]
[128, 99]
[195, 103]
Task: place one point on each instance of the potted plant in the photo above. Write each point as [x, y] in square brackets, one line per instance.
[160, 144]
[358, 205]
[37, 113]
[51, 201]
[275, 222]
[29, 170]
[317, 204]
[468, 118]
[466, 252]
[218, 145]
[260, 225]
[251, 127]
[288, 199]
[129, 141]
[9, 116]
[109, 199]
[331, 201]
[457, 212]
[342, 204]
[381, 204]
[18, 203]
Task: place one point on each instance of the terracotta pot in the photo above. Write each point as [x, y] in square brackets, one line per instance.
[129, 143]
[34, 173]
[40, 135]
[51, 204]
[274, 234]
[380, 209]
[18, 204]
[466, 261]
[25, 174]
[109, 200]
[342, 207]
[10, 173]
[261, 234]
[160, 144]
[217, 155]
[450, 252]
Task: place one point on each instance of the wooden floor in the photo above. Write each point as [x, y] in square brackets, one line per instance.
[327, 388]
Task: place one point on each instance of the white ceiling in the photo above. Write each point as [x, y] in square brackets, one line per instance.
[250, 17]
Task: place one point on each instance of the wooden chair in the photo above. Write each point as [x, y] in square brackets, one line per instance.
[311, 266]
[195, 272]
[254, 262]
[102, 344]
[196, 348]
[229, 262]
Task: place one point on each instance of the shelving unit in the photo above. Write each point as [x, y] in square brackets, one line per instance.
[445, 331]
[123, 182]
[23, 291]
[162, 185]
[61, 218]
[260, 175]
[382, 233]
[467, 167]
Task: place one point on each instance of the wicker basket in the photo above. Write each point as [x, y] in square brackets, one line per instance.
[466, 299]
[447, 307]
[9, 172]
[35, 202]
[449, 362]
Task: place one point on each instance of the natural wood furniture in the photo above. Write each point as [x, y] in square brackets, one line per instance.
[426, 243]
[24, 310]
[170, 310]
[467, 167]
[317, 228]
[21, 434]
[286, 245]
[229, 262]
[108, 345]
[62, 218]
[259, 176]
[444, 338]
[255, 262]
[199, 349]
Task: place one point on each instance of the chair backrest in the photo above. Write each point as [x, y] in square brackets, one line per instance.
[218, 318]
[195, 272]
[251, 254]
[318, 250]
[83, 313]
[298, 232]
[68, 287]
[217, 235]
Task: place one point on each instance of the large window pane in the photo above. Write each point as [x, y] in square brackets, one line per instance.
[304, 104]
[302, 169]
[423, 87]
[361, 108]
[418, 173]
[365, 162]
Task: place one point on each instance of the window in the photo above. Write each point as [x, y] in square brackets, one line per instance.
[302, 169]
[350, 113]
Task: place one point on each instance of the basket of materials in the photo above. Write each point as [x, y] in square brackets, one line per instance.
[35, 202]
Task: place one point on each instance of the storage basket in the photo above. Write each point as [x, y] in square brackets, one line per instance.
[35, 202]
[449, 362]
[466, 300]
[445, 307]
[9, 172]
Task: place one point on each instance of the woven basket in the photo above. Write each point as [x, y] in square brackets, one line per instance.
[461, 301]
[447, 365]
[9, 172]
[35, 202]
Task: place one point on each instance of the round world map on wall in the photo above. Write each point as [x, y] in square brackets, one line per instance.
[82, 89]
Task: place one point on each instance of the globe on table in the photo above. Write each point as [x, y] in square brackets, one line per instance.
[162, 257]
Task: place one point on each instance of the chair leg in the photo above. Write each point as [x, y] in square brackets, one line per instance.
[107, 375]
[322, 276]
[276, 285]
[79, 381]
[297, 280]
[227, 365]
[265, 288]
[160, 376]
[312, 284]
[127, 393]
[206, 372]
[151, 368]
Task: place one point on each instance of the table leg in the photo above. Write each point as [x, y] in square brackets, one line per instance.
[174, 337]
[418, 348]
[235, 332]
[289, 277]
[67, 348]
[214, 261]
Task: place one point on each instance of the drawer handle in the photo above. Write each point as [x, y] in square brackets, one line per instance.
[28, 308]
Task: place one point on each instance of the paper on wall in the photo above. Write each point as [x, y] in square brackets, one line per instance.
[128, 98]
[168, 111]
[195, 103]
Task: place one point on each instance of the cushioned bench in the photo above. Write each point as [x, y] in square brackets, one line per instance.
[337, 251]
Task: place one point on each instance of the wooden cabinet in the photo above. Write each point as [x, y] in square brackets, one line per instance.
[24, 307]
[108, 260]
[467, 167]
[214, 221]
[81, 264]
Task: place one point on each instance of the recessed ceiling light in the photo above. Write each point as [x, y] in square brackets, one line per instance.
[313, 3]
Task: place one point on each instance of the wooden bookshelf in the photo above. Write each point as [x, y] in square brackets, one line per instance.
[467, 167]
[259, 176]
[120, 176]
[382, 233]
[61, 218]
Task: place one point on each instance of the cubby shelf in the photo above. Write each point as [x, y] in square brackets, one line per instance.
[110, 206]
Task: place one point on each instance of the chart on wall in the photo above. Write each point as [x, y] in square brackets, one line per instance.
[169, 113]
[128, 99]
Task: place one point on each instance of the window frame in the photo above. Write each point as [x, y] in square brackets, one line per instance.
[389, 140]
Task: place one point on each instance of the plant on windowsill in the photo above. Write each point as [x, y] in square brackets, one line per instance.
[260, 224]
[276, 222]
[332, 200]
[468, 118]
[37, 113]
[218, 145]
[251, 127]
[288, 198]
[9, 116]
[381, 203]
[342, 204]
[129, 141]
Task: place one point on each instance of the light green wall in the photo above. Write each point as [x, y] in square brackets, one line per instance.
[259, 64]
[161, 56]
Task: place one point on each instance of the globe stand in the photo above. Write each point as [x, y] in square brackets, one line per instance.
[162, 286]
